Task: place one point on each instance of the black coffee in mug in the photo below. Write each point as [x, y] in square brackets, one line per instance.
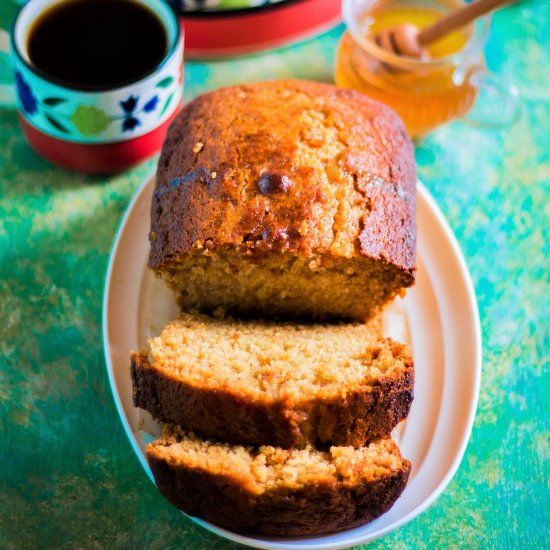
[97, 45]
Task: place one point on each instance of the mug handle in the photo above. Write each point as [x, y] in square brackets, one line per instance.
[501, 106]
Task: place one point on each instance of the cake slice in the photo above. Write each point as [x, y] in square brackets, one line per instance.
[281, 384]
[274, 491]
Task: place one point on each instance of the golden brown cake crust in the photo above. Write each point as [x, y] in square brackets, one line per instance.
[313, 509]
[293, 166]
[350, 419]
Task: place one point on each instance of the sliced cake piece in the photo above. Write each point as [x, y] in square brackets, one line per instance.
[281, 384]
[274, 491]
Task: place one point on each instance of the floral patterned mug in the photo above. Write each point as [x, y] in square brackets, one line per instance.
[97, 131]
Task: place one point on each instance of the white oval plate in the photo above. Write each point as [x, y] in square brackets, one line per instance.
[438, 317]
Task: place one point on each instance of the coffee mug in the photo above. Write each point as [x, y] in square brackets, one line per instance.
[96, 130]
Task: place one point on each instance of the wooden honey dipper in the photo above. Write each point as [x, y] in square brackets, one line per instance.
[410, 41]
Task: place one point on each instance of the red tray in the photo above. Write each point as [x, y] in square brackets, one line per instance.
[238, 32]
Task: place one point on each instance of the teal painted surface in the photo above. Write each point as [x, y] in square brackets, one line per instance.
[68, 476]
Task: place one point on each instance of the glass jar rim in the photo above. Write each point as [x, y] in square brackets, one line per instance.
[474, 44]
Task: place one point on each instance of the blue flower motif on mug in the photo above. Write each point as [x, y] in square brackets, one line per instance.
[129, 106]
[27, 98]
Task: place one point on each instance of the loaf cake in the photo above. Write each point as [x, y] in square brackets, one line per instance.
[273, 491]
[285, 199]
[275, 383]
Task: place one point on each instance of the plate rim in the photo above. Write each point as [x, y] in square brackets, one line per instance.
[359, 539]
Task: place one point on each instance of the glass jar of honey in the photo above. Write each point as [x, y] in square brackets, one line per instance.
[441, 85]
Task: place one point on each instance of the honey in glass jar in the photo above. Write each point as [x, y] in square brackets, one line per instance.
[427, 91]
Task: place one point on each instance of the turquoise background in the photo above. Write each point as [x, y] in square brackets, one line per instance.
[68, 476]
